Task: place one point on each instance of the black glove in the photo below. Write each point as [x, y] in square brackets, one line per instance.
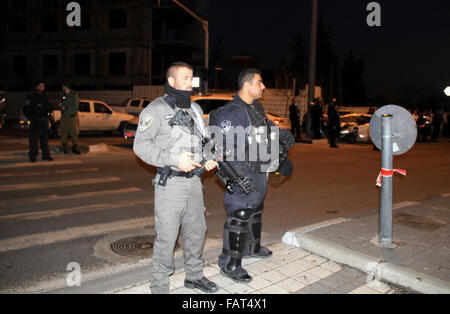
[287, 140]
[286, 168]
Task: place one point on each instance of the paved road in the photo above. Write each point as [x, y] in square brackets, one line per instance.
[71, 210]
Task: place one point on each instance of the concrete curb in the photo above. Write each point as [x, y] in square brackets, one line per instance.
[102, 147]
[374, 267]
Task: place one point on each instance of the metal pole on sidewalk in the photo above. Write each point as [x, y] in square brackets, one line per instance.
[312, 67]
[205, 25]
[385, 226]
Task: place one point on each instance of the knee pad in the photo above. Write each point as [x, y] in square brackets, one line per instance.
[242, 214]
[236, 233]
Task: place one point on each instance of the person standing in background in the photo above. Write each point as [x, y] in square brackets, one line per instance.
[334, 123]
[69, 118]
[37, 110]
[295, 121]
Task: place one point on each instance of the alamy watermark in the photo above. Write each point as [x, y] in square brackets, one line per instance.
[74, 17]
[374, 17]
[236, 143]
[73, 279]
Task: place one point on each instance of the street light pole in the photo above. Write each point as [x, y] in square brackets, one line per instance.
[312, 65]
[447, 91]
[205, 26]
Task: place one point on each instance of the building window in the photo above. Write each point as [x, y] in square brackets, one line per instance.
[86, 21]
[50, 65]
[117, 63]
[19, 5]
[19, 25]
[117, 19]
[86, 24]
[49, 23]
[82, 64]
[19, 65]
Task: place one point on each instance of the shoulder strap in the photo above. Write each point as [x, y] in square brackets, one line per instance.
[200, 120]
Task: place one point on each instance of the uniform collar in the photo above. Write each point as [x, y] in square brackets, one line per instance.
[239, 99]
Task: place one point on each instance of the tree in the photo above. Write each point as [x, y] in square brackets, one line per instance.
[299, 63]
[354, 88]
[326, 61]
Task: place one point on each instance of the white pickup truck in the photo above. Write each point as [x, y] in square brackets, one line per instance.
[94, 115]
[133, 106]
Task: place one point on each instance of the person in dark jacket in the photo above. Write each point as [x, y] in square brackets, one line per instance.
[334, 123]
[437, 122]
[244, 119]
[295, 121]
[37, 111]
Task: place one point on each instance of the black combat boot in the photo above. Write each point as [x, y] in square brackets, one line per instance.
[254, 247]
[203, 284]
[75, 150]
[64, 147]
[234, 242]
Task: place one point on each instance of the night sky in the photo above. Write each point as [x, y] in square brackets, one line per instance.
[408, 55]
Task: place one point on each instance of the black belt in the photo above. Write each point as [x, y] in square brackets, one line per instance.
[174, 173]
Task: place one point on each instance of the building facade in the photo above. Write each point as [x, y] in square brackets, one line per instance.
[119, 43]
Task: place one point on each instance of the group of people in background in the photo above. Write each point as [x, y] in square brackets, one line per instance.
[38, 111]
[320, 127]
[431, 124]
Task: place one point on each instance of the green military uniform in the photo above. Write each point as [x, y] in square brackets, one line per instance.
[69, 120]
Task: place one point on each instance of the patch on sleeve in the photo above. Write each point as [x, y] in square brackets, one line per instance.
[145, 122]
[225, 126]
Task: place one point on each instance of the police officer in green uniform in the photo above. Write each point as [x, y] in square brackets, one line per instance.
[179, 198]
[69, 118]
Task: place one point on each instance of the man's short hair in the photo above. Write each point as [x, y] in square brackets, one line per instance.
[67, 84]
[38, 82]
[175, 66]
[247, 76]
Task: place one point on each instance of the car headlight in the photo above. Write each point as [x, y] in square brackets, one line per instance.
[345, 132]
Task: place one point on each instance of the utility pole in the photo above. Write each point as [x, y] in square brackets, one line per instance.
[205, 26]
[312, 66]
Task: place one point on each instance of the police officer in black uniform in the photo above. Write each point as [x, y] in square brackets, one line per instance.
[334, 123]
[37, 110]
[242, 230]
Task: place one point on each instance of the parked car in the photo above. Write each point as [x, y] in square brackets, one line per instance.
[95, 115]
[356, 128]
[2, 109]
[344, 112]
[208, 104]
[282, 123]
[133, 106]
[211, 102]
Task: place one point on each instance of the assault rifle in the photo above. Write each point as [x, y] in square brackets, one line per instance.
[212, 151]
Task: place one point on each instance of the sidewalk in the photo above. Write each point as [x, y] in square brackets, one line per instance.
[343, 257]
[289, 271]
[419, 258]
